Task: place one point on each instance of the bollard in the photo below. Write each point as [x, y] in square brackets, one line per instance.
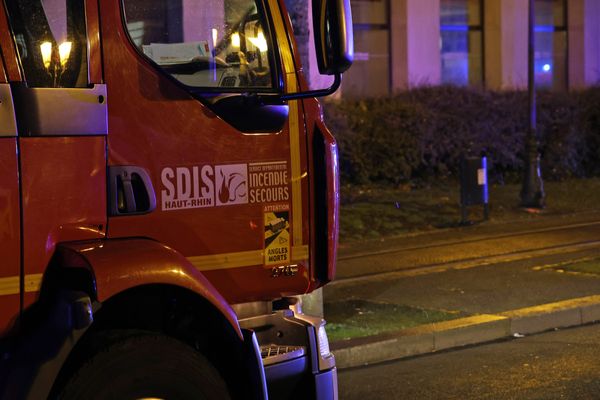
[473, 186]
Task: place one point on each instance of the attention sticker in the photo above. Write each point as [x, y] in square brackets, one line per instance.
[277, 234]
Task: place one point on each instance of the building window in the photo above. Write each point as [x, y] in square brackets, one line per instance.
[551, 44]
[370, 72]
[461, 30]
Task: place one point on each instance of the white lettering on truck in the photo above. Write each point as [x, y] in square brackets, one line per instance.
[268, 182]
[187, 187]
[220, 185]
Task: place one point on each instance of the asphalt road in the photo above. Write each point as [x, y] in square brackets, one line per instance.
[555, 365]
[420, 252]
[487, 289]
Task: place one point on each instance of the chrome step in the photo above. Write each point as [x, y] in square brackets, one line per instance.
[274, 354]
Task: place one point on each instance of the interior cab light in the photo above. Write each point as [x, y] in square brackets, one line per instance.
[259, 42]
[215, 36]
[235, 40]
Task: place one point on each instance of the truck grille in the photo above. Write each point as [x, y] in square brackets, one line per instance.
[273, 353]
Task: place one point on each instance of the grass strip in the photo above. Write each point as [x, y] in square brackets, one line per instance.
[378, 211]
[359, 318]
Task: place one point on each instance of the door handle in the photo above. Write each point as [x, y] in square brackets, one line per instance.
[130, 191]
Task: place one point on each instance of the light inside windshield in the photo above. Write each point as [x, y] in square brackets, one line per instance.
[213, 44]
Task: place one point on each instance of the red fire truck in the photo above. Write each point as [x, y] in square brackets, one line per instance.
[167, 186]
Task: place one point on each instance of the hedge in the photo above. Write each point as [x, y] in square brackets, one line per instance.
[423, 133]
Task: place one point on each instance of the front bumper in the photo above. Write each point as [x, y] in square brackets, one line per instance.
[297, 362]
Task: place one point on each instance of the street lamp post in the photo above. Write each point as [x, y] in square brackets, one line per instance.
[532, 191]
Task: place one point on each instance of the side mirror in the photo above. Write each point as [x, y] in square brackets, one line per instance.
[334, 44]
[334, 38]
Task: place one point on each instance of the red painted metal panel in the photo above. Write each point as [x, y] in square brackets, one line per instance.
[9, 233]
[333, 197]
[8, 48]
[154, 124]
[93, 32]
[3, 77]
[255, 285]
[318, 131]
[9, 312]
[63, 195]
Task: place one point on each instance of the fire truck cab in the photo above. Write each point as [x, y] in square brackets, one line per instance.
[167, 187]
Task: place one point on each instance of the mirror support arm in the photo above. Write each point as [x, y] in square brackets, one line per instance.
[315, 93]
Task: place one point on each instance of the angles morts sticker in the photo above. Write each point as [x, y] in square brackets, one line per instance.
[277, 234]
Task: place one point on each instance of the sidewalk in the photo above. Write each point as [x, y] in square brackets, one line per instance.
[471, 285]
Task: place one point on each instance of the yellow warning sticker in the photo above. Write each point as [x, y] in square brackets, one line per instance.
[277, 234]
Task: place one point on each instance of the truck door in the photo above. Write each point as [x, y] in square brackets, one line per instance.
[9, 199]
[60, 104]
[202, 155]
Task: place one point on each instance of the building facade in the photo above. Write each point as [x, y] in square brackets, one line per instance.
[402, 44]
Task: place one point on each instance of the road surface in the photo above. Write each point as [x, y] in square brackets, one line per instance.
[563, 364]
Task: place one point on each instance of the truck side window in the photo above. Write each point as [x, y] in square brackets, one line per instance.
[214, 44]
[50, 37]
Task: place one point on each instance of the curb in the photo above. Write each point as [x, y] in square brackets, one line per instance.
[477, 329]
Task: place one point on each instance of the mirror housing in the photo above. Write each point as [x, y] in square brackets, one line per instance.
[334, 39]
[334, 44]
[251, 113]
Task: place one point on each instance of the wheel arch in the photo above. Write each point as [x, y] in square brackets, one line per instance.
[141, 284]
[106, 269]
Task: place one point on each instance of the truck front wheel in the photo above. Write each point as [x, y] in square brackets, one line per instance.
[146, 365]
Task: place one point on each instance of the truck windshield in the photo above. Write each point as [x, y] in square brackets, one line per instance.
[214, 44]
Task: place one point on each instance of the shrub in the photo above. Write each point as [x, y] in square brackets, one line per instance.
[371, 146]
[423, 133]
[588, 103]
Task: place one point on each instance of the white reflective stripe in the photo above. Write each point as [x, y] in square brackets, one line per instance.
[11, 285]
[296, 174]
[227, 260]
[33, 282]
[242, 259]
[299, 253]
[294, 125]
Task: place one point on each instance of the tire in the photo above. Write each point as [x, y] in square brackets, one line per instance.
[146, 365]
